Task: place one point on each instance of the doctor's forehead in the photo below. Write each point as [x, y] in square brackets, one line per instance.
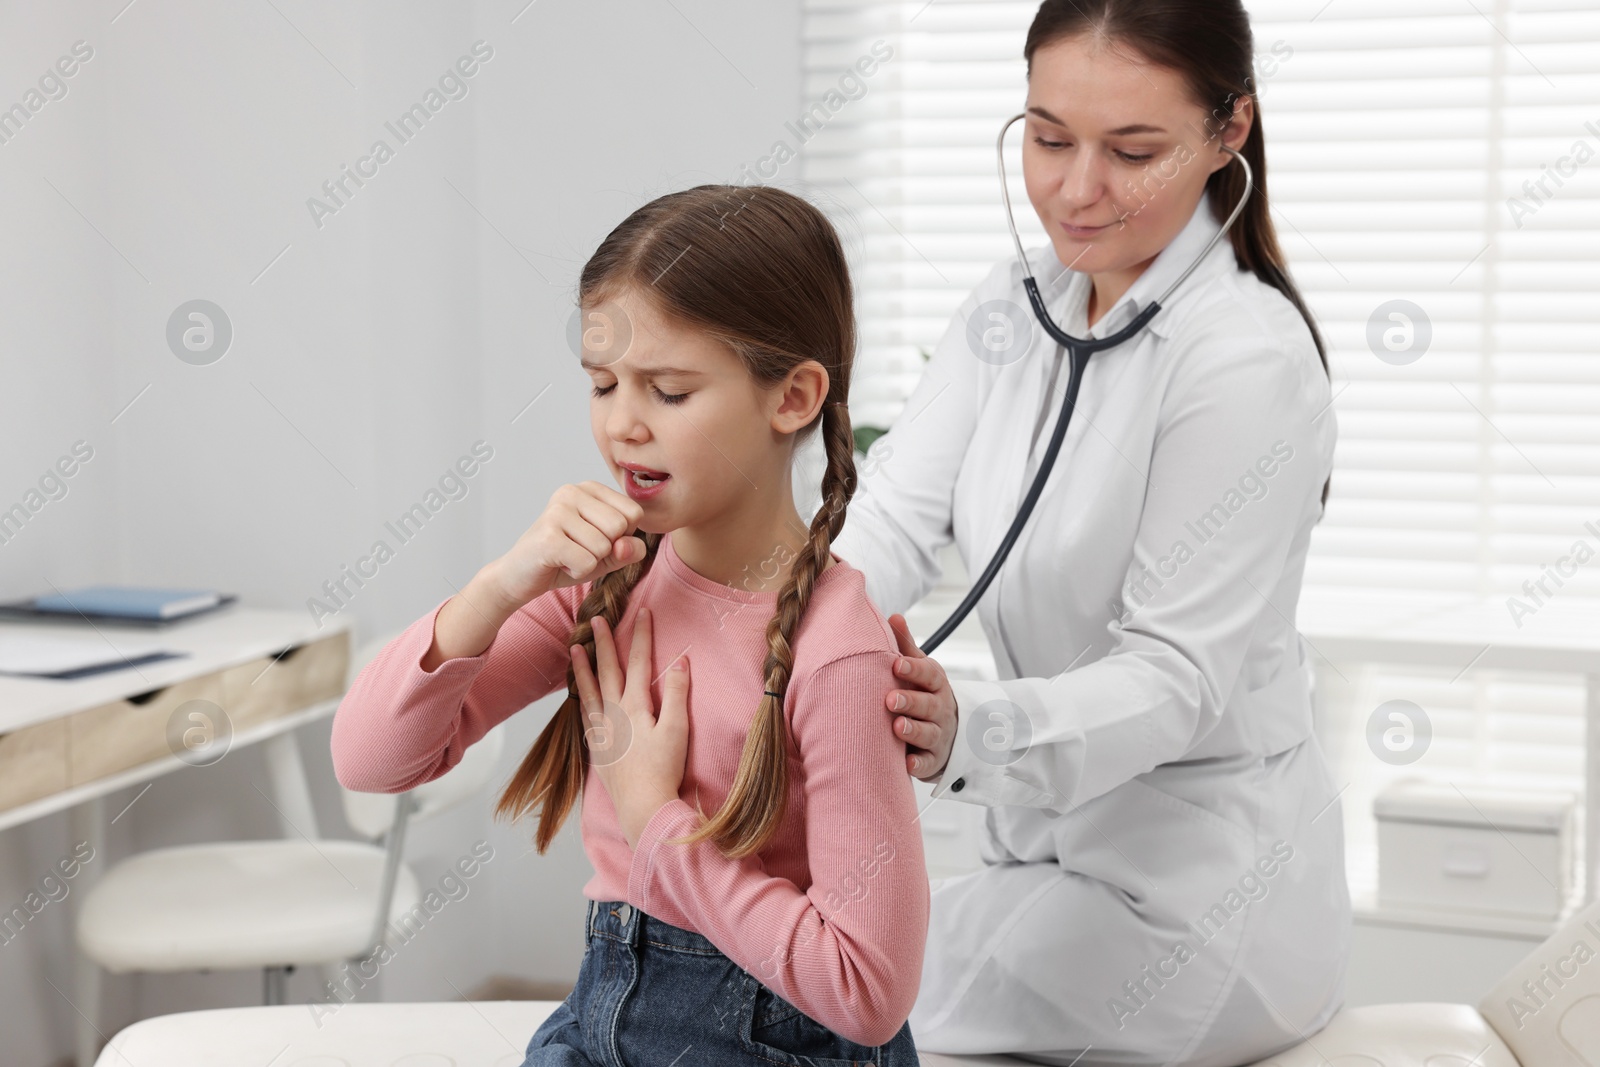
[1105, 90]
[1125, 130]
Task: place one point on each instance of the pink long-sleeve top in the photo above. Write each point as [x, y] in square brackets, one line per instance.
[833, 914]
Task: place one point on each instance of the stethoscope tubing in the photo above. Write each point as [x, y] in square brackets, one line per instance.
[1080, 349]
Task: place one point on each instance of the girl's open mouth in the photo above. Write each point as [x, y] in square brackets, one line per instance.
[641, 482]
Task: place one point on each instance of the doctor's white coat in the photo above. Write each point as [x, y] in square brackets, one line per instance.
[1164, 878]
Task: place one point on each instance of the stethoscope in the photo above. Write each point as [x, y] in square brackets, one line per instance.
[1081, 349]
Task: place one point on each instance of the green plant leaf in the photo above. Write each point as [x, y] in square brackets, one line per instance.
[865, 435]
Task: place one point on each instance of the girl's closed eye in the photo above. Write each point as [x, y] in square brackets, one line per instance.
[666, 398]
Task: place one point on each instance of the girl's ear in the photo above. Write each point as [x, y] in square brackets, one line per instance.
[800, 396]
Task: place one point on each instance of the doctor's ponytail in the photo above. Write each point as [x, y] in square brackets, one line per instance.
[763, 272]
[1210, 44]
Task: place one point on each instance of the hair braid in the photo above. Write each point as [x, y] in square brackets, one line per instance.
[754, 807]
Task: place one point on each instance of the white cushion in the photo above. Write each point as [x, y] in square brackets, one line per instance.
[239, 904]
[1548, 1007]
[1401, 1035]
[490, 1033]
[496, 1033]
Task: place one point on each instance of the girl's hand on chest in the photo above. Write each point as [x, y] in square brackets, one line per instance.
[638, 755]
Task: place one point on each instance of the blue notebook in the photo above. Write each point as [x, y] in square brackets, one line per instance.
[128, 601]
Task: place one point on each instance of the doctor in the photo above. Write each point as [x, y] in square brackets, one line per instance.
[1164, 877]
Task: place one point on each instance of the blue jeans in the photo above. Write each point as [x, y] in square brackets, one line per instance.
[650, 994]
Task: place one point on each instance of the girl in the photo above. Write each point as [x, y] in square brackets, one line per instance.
[787, 925]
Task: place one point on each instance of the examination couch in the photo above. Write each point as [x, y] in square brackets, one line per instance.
[1545, 1013]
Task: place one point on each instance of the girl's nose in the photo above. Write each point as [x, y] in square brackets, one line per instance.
[623, 419]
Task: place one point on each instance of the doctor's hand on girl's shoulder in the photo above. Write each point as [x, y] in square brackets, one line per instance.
[924, 713]
[638, 755]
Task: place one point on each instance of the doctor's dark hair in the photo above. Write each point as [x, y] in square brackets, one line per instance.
[763, 272]
[1210, 44]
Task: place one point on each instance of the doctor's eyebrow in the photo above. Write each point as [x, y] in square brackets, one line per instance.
[1120, 131]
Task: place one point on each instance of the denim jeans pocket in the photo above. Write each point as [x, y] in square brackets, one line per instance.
[779, 1032]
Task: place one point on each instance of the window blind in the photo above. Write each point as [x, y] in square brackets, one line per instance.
[1443, 153]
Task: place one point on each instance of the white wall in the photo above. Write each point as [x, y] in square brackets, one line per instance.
[368, 354]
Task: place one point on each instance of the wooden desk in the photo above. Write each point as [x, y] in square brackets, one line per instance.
[250, 676]
[258, 673]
